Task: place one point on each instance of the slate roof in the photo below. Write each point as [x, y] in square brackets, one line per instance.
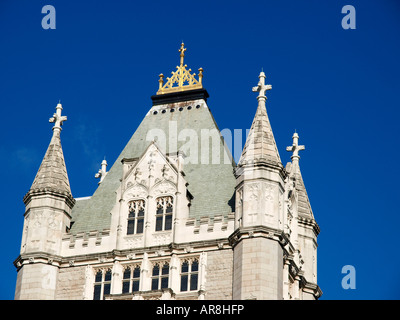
[212, 185]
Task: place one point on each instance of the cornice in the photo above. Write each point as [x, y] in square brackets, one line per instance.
[37, 192]
[256, 232]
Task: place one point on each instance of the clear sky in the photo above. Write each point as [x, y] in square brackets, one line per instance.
[338, 88]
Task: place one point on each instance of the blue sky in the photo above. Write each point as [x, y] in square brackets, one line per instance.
[338, 88]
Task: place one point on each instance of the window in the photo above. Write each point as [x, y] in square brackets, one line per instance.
[135, 217]
[102, 284]
[159, 277]
[131, 280]
[189, 275]
[164, 213]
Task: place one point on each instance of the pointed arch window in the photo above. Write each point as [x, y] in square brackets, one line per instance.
[165, 208]
[102, 284]
[160, 276]
[135, 217]
[131, 279]
[189, 275]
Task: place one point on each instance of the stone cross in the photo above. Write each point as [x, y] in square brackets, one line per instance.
[57, 118]
[261, 86]
[295, 148]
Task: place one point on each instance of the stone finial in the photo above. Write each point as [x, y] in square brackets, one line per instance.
[295, 148]
[260, 144]
[261, 86]
[58, 119]
[102, 172]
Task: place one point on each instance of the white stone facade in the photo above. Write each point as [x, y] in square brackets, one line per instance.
[265, 248]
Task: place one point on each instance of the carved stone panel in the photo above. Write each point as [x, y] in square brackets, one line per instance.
[160, 239]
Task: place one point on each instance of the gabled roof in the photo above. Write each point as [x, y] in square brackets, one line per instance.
[212, 185]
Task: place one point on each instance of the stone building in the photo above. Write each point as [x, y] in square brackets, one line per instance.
[174, 217]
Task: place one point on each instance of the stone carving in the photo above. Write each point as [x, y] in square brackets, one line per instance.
[161, 239]
[254, 190]
[151, 162]
[164, 188]
[134, 242]
[37, 218]
[52, 223]
[131, 256]
[269, 193]
[160, 253]
[137, 191]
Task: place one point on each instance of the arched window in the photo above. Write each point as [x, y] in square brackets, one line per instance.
[135, 217]
[165, 208]
[159, 276]
[102, 284]
[131, 280]
[189, 275]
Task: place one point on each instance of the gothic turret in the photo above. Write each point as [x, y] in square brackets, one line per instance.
[258, 233]
[260, 145]
[302, 230]
[47, 216]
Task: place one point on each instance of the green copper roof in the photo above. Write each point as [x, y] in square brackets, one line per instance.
[212, 185]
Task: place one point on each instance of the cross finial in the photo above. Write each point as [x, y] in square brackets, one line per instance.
[102, 172]
[295, 148]
[182, 51]
[57, 118]
[261, 86]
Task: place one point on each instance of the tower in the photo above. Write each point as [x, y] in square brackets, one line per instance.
[260, 185]
[174, 217]
[48, 206]
[301, 228]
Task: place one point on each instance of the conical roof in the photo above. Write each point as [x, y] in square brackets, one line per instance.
[260, 144]
[293, 168]
[52, 173]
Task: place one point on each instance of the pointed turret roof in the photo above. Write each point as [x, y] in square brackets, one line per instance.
[260, 144]
[304, 206]
[52, 174]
